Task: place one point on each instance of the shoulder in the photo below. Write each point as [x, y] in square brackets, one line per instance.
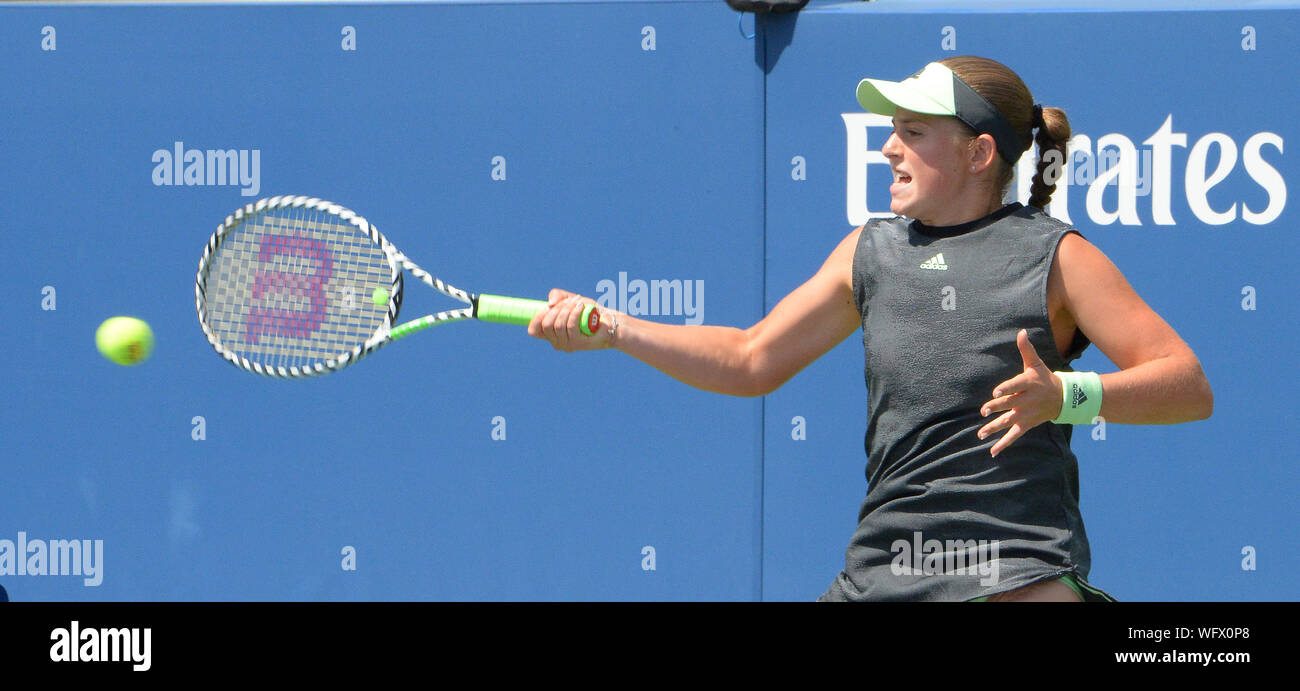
[886, 224]
[878, 229]
[1061, 242]
[1088, 284]
[877, 233]
[1068, 245]
[1080, 262]
[845, 253]
[1042, 222]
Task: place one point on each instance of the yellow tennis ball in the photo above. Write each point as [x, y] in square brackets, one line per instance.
[380, 297]
[124, 340]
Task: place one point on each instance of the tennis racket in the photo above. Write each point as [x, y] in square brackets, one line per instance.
[298, 286]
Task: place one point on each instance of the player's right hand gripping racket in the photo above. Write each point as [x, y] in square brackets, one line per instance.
[298, 286]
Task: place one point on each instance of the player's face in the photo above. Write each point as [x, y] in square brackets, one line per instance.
[930, 157]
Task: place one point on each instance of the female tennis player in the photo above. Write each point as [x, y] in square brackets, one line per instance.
[971, 311]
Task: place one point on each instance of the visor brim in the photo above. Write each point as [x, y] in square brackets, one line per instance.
[886, 97]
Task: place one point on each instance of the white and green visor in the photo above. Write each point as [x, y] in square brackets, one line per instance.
[936, 90]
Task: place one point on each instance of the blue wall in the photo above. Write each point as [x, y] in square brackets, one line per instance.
[637, 141]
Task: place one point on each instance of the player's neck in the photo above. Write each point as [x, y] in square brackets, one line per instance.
[959, 214]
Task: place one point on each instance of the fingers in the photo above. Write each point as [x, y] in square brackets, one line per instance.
[557, 295]
[998, 404]
[1006, 393]
[1021, 410]
[1012, 434]
[560, 322]
[563, 322]
[1026, 398]
[1011, 386]
[1036, 372]
[1011, 421]
[1001, 422]
[542, 323]
[1027, 352]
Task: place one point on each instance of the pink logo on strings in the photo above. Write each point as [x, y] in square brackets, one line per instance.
[264, 321]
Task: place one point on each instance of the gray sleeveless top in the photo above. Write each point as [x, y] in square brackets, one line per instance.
[942, 519]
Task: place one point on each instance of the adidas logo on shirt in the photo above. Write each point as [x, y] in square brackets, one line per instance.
[935, 262]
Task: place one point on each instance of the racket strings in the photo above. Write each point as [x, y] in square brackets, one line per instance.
[290, 288]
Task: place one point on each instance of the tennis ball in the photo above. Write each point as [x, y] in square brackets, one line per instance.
[124, 340]
[381, 297]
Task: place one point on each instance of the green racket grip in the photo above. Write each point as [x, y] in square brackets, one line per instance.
[519, 311]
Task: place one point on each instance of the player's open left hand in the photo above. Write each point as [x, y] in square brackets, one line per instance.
[1029, 399]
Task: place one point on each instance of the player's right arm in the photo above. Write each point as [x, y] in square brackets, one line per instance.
[803, 326]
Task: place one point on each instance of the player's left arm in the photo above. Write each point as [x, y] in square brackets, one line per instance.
[1160, 380]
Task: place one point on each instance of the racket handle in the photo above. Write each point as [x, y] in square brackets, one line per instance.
[520, 311]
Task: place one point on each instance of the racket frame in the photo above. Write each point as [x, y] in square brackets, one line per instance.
[493, 308]
[384, 334]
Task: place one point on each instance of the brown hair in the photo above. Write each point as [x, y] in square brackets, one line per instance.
[1004, 89]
